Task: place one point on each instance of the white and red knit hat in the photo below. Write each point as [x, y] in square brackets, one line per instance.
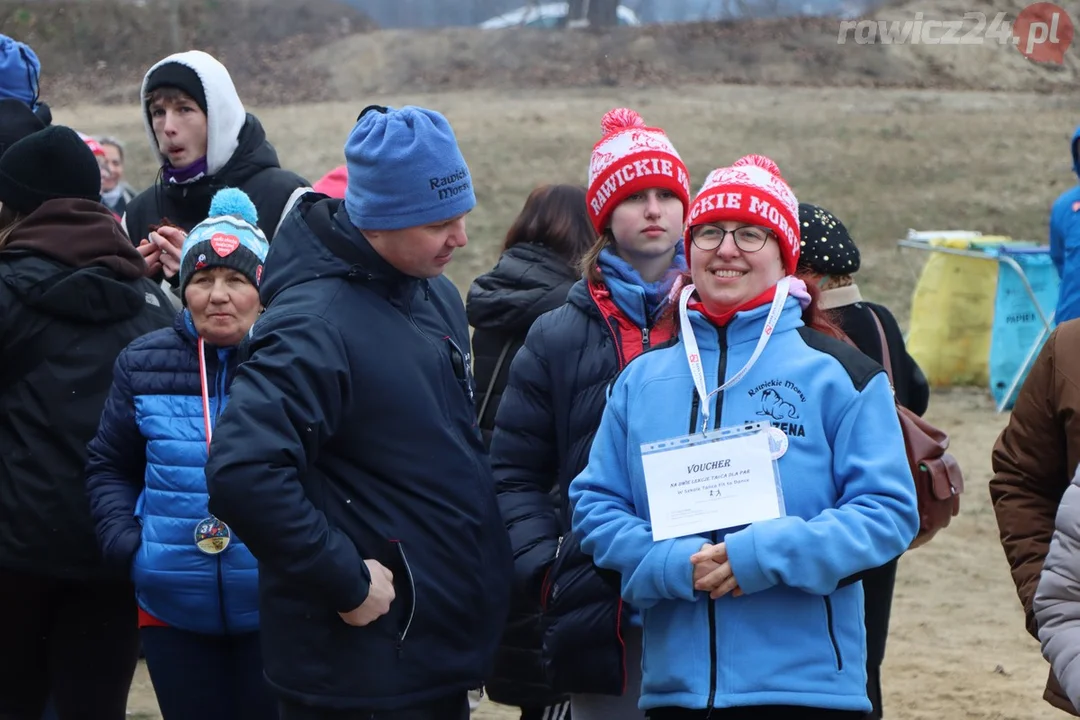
[751, 191]
[631, 158]
[94, 145]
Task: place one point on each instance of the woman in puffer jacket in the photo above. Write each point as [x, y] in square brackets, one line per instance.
[538, 265]
[196, 584]
[742, 475]
[638, 195]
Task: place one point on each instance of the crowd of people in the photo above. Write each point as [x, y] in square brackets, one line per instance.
[649, 467]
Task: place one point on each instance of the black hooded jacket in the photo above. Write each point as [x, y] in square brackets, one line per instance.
[502, 305]
[350, 434]
[72, 296]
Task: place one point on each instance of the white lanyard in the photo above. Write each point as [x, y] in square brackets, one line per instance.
[697, 370]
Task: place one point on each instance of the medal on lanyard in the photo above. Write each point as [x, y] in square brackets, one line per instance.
[697, 370]
[212, 536]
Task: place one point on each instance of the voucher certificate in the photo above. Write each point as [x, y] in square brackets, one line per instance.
[700, 483]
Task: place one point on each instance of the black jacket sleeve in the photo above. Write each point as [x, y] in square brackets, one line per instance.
[115, 469]
[524, 458]
[285, 403]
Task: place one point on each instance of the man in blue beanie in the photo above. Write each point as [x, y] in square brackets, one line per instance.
[348, 457]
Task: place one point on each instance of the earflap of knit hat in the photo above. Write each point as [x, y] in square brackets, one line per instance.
[753, 191]
[632, 157]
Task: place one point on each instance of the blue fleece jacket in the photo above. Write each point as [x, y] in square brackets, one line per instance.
[794, 638]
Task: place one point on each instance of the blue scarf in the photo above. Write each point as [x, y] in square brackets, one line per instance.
[642, 302]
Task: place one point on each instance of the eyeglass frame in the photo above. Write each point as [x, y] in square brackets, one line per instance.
[724, 233]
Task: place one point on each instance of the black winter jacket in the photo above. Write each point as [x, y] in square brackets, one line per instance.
[502, 305]
[350, 434]
[544, 430]
[72, 296]
[912, 388]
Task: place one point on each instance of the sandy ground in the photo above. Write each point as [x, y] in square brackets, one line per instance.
[884, 161]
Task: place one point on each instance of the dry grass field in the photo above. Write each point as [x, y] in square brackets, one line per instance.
[883, 161]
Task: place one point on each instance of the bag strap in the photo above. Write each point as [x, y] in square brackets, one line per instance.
[494, 377]
[885, 354]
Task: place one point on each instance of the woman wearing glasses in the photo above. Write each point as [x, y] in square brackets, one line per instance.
[637, 197]
[741, 474]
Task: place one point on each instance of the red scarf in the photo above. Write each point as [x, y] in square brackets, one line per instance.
[722, 319]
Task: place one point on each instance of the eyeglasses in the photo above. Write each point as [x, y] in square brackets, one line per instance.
[748, 238]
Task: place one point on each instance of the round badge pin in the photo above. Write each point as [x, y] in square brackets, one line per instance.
[212, 536]
[778, 442]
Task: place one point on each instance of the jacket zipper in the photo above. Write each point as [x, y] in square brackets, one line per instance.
[721, 373]
[644, 339]
[412, 608]
[832, 633]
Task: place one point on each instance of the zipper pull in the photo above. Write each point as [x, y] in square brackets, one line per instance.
[559, 546]
[644, 338]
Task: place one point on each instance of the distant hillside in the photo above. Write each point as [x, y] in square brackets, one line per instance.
[288, 51]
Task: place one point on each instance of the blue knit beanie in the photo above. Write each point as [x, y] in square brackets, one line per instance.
[405, 170]
[19, 71]
[230, 237]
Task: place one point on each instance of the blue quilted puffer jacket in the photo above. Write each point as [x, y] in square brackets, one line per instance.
[148, 491]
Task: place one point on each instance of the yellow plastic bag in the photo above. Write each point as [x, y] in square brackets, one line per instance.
[952, 313]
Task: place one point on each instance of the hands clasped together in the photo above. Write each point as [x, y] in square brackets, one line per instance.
[713, 573]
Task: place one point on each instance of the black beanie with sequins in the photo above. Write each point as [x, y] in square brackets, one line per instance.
[826, 246]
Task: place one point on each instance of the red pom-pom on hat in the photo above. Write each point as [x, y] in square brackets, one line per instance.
[759, 161]
[620, 119]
